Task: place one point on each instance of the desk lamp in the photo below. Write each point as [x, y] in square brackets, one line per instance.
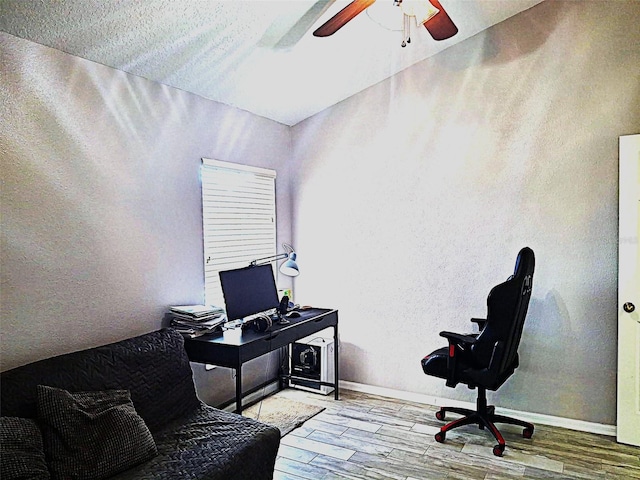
[288, 268]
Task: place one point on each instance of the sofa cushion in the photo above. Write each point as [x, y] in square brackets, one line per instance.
[22, 450]
[154, 367]
[211, 444]
[92, 435]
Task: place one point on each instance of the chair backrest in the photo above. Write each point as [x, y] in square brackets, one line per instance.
[507, 306]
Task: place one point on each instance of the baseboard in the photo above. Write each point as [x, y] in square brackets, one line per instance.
[535, 418]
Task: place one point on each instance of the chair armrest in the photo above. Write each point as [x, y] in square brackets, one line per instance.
[458, 343]
[459, 338]
[480, 322]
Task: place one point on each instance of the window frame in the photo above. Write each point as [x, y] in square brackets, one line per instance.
[238, 219]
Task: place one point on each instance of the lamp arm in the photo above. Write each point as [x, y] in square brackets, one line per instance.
[265, 260]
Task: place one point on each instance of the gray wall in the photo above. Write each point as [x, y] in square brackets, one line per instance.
[101, 205]
[414, 197]
[426, 185]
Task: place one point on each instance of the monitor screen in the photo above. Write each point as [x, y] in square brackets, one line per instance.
[248, 291]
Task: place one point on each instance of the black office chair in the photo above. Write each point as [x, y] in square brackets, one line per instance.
[487, 359]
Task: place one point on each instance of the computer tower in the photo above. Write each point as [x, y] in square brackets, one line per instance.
[313, 358]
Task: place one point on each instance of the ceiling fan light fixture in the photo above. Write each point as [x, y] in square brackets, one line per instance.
[423, 10]
[428, 13]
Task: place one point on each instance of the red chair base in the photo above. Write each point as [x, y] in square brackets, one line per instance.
[484, 416]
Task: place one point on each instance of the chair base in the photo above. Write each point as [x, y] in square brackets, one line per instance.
[484, 416]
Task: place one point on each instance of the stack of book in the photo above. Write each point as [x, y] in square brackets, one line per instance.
[195, 320]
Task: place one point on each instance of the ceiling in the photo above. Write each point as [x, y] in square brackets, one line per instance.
[248, 54]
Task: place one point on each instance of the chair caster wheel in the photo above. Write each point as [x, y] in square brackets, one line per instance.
[498, 450]
[527, 433]
[440, 415]
[440, 437]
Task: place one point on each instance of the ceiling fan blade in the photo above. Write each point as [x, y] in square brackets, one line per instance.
[341, 18]
[305, 23]
[293, 24]
[440, 26]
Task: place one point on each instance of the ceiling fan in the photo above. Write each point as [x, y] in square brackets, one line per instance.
[429, 13]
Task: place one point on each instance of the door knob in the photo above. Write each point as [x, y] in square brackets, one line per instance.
[628, 307]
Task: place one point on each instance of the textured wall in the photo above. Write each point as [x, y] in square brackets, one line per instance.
[101, 205]
[427, 185]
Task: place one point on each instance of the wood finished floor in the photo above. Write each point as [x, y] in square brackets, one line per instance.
[369, 437]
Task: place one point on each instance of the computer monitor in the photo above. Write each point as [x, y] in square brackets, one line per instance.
[248, 291]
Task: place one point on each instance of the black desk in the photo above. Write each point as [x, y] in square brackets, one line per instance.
[232, 348]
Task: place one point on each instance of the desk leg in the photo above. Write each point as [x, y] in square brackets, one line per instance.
[239, 390]
[335, 362]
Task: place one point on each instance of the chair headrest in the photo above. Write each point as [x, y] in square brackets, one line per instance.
[525, 262]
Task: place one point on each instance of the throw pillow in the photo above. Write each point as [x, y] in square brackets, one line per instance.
[22, 450]
[92, 435]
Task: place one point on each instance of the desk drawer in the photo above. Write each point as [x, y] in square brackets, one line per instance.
[314, 326]
[287, 335]
[267, 344]
[201, 352]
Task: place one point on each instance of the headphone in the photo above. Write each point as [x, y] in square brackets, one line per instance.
[262, 323]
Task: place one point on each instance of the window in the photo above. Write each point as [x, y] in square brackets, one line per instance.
[238, 219]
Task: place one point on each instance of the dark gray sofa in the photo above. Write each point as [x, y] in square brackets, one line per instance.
[193, 440]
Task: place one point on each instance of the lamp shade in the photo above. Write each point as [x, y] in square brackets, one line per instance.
[290, 267]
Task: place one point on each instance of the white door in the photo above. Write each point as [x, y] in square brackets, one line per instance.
[628, 429]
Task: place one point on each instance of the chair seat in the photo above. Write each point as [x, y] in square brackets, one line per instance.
[435, 364]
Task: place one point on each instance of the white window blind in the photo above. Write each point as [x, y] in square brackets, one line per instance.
[238, 219]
